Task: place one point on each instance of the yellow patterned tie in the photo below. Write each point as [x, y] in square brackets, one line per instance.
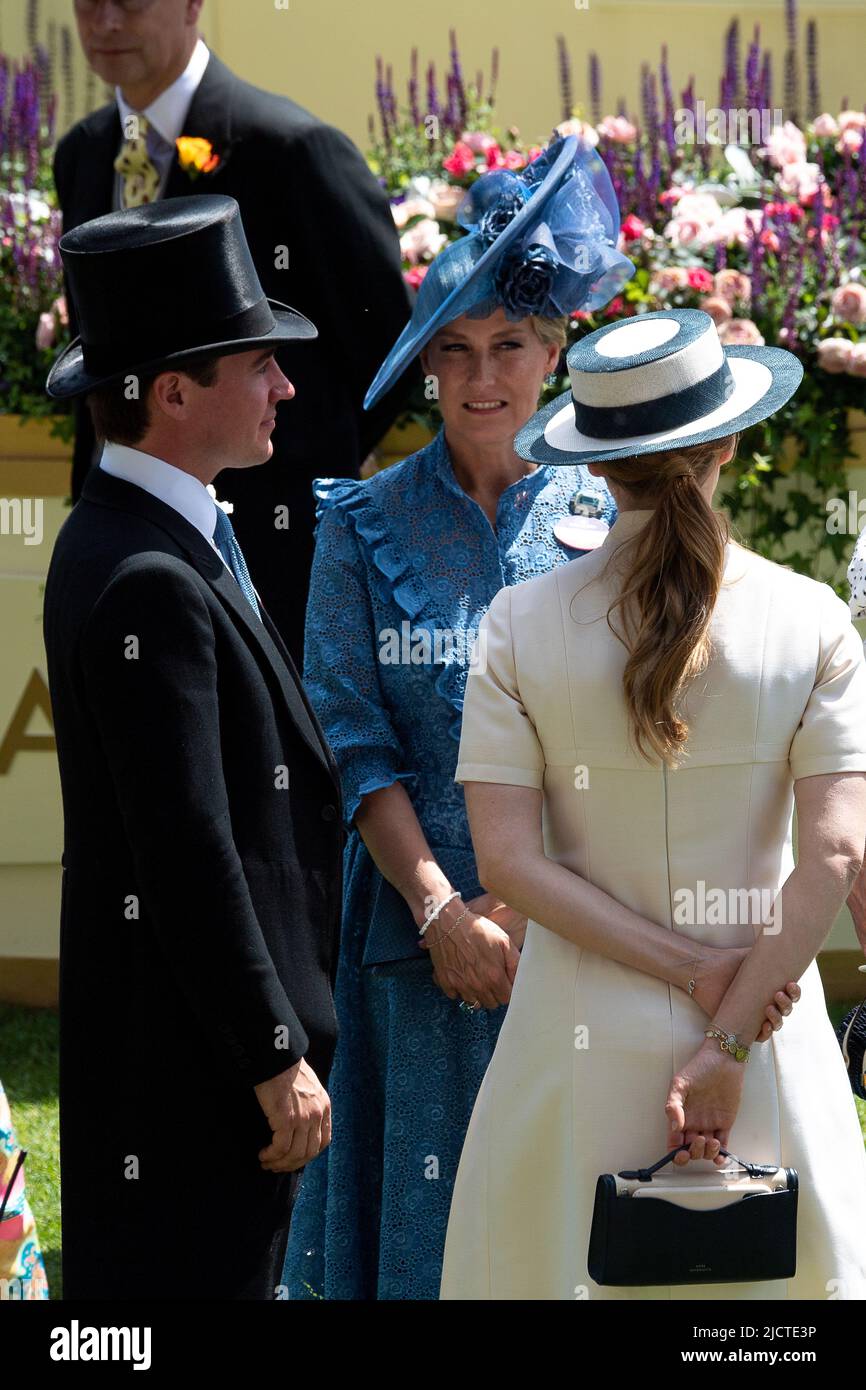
[140, 176]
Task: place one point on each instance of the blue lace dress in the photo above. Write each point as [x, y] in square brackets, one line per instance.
[406, 565]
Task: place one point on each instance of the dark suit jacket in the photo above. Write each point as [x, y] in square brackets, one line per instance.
[303, 185]
[201, 895]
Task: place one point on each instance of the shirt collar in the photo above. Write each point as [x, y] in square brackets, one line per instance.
[186, 494]
[168, 112]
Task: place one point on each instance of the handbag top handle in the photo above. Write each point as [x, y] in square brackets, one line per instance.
[755, 1170]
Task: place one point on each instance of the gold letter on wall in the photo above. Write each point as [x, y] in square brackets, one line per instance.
[16, 738]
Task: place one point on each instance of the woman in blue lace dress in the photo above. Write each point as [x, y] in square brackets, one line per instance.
[406, 565]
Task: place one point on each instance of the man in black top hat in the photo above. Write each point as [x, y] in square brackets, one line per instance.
[321, 235]
[202, 810]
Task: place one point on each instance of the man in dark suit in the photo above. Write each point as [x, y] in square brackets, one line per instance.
[322, 238]
[202, 807]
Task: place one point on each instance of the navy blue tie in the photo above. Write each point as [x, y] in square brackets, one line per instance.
[231, 552]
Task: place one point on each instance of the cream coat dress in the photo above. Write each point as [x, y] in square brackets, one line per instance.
[580, 1075]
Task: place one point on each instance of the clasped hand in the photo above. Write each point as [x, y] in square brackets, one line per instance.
[476, 959]
[704, 1095]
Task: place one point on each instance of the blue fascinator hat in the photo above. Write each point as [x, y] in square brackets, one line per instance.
[541, 241]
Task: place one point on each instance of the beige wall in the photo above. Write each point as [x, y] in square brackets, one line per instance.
[322, 52]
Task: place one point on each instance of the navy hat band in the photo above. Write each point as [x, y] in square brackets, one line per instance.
[664, 413]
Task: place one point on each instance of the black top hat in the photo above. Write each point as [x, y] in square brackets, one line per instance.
[158, 285]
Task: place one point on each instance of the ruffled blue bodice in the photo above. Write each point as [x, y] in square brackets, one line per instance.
[406, 565]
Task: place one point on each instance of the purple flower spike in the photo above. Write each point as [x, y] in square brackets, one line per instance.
[433, 107]
[814, 96]
[494, 74]
[564, 66]
[595, 87]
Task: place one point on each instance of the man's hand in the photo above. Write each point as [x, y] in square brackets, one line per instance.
[298, 1110]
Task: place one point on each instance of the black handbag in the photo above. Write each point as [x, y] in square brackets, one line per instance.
[723, 1227]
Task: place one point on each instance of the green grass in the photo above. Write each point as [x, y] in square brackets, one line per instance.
[28, 1070]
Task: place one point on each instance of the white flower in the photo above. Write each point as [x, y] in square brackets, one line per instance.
[422, 242]
[30, 207]
[228, 507]
[411, 207]
[582, 129]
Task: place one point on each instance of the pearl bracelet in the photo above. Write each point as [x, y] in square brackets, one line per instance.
[435, 913]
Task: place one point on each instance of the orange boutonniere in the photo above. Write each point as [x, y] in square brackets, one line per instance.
[196, 156]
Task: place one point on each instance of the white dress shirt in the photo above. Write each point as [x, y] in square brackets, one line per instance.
[179, 490]
[166, 116]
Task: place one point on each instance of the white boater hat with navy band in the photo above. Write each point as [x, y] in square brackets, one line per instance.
[656, 381]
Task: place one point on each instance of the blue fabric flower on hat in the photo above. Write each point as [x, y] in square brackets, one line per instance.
[525, 278]
[497, 218]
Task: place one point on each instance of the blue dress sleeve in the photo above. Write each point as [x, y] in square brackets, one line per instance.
[341, 663]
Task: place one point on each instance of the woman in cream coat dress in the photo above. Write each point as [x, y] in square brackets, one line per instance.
[629, 955]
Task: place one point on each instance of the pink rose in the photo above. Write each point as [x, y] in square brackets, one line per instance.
[834, 354]
[848, 303]
[422, 242]
[700, 280]
[732, 228]
[800, 178]
[460, 160]
[857, 362]
[694, 217]
[618, 129]
[849, 120]
[45, 332]
[740, 333]
[632, 227]
[414, 276]
[718, 309]
[850, 140]
[681, 231]
[582, 129]
[477, 140]
[670, 278]
[671, 196]
[825, 124]
[733, 286]
[786, 145]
